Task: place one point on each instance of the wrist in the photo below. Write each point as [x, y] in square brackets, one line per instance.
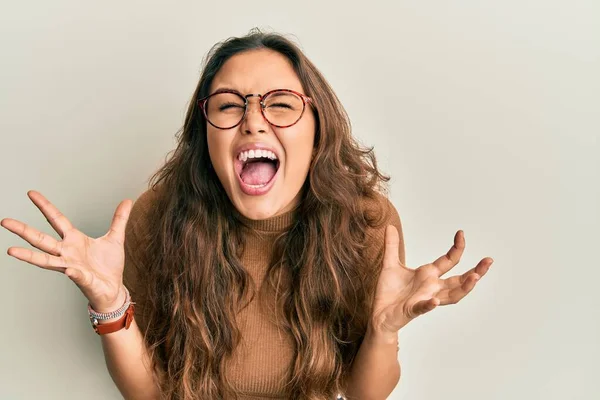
[105, 322]
[115, 305]
[381, 336]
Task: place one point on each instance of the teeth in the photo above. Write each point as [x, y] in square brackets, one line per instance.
[258, 153]
[256, 186]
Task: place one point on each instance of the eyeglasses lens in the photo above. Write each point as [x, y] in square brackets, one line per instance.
[280, 108]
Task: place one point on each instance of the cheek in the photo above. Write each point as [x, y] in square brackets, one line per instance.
[218, 145]
[298, 146]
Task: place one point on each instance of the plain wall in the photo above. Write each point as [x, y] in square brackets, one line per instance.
[485, 114]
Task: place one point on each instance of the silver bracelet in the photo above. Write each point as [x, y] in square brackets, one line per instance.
[97, 316]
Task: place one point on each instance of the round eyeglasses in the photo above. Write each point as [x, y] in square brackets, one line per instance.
[282, 108]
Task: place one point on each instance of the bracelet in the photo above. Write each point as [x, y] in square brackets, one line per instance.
[97, 316]
[123, 322]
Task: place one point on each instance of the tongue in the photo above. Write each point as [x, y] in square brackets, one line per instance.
[258, 172]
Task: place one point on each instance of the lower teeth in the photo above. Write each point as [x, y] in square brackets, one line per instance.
[256, 186]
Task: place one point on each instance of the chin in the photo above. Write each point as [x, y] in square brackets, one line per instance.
[258, 210]
[259, 214]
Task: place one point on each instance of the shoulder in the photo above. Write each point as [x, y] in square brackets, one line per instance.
[381, 202]
[141, 212]
[383, 213]
[137, 229]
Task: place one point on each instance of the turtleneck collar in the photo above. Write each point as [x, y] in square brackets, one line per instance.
[278, 223]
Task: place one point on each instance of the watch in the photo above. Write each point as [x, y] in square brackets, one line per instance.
[123, 322]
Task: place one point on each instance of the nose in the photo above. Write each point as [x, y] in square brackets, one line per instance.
[254, 121]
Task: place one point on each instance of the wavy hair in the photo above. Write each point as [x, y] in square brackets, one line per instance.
[195, 282]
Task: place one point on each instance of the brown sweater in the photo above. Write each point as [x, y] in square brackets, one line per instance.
[261, 365]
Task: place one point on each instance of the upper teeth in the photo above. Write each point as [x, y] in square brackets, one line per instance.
[244, 155]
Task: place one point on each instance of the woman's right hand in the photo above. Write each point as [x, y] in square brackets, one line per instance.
[95, 265]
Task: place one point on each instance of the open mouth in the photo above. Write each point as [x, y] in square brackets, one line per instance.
[256, 170]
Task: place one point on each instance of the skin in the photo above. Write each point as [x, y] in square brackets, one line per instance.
[404, 293]
[258, 71]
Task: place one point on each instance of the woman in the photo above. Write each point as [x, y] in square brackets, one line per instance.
[264, 260]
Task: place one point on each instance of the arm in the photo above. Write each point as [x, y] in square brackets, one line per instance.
[376, 371]
[128, 363]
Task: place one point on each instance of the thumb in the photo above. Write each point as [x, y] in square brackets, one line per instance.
[76, 275]
[392, 243]
[119, 221]
[425, 306]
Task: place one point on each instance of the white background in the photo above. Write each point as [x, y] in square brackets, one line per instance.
[484, 113]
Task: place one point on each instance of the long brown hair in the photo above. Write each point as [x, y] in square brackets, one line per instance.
[194, 279]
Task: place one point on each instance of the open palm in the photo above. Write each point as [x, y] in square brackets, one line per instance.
[94, 265]
[403, 293]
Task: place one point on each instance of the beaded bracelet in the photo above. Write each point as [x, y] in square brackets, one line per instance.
[97, 316]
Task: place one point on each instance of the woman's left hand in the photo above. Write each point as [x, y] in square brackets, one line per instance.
[403, 293]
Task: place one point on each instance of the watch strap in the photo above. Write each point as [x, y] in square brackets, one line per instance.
[123, 322]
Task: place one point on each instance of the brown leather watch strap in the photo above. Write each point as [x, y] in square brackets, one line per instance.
[123, 322]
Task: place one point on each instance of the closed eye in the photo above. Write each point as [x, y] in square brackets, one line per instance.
[227, 106]
[282, 105]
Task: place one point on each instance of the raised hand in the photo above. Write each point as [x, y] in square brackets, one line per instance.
[403, 293]
[95, 265]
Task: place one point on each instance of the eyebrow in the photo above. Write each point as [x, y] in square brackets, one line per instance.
[282, 94]
[226, 88]
[223, 89]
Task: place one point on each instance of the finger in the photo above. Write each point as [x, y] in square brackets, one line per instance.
[55, 218]
[392, 243]
[119, 221]
[457, 293]
[34, 237]
[480, 269]
[42, 260]
[78, 276]
[446, 262]
[425, 306]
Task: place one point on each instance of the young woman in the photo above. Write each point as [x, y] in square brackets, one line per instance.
[264, 260]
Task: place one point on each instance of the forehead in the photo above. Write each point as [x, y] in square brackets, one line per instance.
[257, 71]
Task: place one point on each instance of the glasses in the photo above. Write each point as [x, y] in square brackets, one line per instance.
[282, 108]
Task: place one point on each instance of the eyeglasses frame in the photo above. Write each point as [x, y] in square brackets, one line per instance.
[305, 100]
